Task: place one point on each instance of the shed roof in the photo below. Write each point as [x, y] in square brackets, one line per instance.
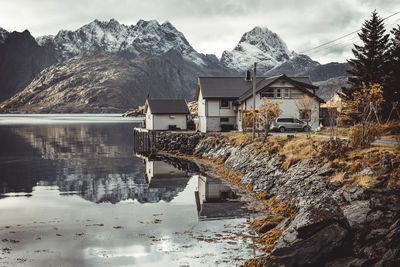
[167, 106]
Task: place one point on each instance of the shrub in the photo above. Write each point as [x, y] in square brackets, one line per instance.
[332, 149]
[372, 132]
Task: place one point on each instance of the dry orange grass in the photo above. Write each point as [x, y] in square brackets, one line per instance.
[360, 180]
[255, 263]
[278, 211]
[389, 130]
[298, 149]
[229, 174]
[356, 160]
[237, 139]
[269, 239]
[342, 131]
[339, 176]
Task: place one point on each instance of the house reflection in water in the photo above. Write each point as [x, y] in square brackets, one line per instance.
[215, 200]
[160, 174]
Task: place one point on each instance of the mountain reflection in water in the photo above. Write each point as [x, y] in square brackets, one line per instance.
[84, 199]
[93, 161]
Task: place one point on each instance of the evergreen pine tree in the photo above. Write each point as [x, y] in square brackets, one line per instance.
[370, 62]
[391, 91]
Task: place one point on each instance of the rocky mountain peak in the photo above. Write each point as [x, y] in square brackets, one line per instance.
[146, 37]
[21, 58]
[20, 38]
[265, 40]
[259, 45]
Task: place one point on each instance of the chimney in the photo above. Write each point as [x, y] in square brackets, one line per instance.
[247, 76]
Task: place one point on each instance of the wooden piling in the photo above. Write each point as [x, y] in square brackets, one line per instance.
[145, 141]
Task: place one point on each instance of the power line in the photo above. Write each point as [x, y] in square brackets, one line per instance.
[344, 36]
[347, 42]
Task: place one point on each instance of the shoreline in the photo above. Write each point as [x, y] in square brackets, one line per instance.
[322, 216]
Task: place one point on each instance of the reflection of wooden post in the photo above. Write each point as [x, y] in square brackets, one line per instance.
[134, 141]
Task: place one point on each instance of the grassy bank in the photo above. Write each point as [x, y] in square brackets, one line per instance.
[377, 166]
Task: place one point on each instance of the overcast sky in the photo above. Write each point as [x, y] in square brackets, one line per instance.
[212, 26]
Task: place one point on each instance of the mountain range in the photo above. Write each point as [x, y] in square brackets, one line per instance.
[112, 67]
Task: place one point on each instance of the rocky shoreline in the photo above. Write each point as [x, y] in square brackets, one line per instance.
[334, 224]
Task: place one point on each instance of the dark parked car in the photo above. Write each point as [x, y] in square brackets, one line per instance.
[283, 124]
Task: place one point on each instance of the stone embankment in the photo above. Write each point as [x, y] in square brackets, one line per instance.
[335, 224]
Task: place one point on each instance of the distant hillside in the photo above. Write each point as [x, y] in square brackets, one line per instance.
[296, 64]
[326, 71]
[328, 88]
[21, 59]
[103, 83]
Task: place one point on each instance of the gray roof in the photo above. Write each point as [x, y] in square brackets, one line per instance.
[300, 82]
[168, 106]
[238, 88]
[224, 87]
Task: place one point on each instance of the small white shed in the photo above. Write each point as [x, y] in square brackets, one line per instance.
[166, 114]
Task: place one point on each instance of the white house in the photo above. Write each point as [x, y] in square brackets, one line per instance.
[166, 114]
[222, 100]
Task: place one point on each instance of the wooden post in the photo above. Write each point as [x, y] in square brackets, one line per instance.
[254, 101]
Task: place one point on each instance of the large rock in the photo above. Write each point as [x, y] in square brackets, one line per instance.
[356, 212]
[318, 233]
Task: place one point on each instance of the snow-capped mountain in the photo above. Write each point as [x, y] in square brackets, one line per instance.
[258, 45]
[3, 35]
[146, 37]
[265, 47]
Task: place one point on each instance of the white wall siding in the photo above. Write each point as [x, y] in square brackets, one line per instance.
[213, 109]
[203, 124]
[149, 119]
[162, 121]
[201, 105]
[213, 124]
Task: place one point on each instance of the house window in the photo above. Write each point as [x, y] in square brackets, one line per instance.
[171, 116]
[224, 103]
[286, 93]
[278, 93]
[224, 119]
[240, 115]
[305, 114]
[269, 93]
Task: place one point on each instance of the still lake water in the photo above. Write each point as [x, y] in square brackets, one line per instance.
[73, 193]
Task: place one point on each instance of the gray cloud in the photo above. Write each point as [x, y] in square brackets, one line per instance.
[211, 26]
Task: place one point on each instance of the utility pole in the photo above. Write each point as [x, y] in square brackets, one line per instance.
[254, 100]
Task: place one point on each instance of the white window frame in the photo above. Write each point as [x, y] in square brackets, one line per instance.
[224, 107]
